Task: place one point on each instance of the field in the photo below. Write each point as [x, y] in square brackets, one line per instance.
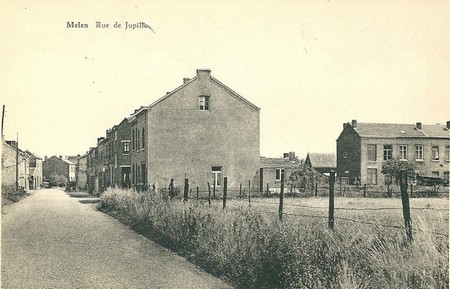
[251, 248]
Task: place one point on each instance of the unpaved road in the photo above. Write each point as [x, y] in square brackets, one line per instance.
[50, 240]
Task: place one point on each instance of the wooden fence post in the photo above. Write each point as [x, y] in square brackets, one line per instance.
[280, 208]
[405, 203]
[331, 201]
[209, 195]
[214, 189]
[315, 191]
[197, 192]
[365, 190]
[240, 190]
[249, 193]
[224, 192]
[411, 190]
[186, 189]
[267, 190]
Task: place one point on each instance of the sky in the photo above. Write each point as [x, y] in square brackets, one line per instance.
[309, 65]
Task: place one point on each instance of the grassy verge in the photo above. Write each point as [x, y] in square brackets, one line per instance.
[10, 196]
[250, 248]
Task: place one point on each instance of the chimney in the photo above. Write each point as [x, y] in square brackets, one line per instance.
[186, 80]
[418, 125]
[45, 158]
[448, 124]
[100, 139]
[204, 73]
[354, 123]
[60, 157]
[286, 156]
[291, 156]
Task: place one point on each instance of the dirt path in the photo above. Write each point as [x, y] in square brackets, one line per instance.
[50, 240]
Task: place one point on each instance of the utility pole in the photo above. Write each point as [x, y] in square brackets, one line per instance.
[17, 163]
[3, 118]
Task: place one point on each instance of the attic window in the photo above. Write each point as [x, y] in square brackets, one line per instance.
[204, 102]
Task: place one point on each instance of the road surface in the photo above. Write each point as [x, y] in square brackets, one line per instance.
[50, 240]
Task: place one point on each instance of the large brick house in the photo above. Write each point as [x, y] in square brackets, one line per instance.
[202, 130]
[58, 166]
[362, 148]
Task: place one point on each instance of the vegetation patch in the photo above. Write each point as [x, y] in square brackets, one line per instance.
[10, 195]
[250, 248]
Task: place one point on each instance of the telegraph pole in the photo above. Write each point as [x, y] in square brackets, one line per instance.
[3, 118]
[17, 163]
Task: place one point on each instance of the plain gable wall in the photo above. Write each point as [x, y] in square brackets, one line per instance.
[184, 140]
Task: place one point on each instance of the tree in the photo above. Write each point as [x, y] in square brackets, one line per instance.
[304, 177]
[57, 180]
[393, 167]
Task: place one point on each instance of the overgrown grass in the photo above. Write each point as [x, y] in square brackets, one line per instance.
[9, 194]
[251, 248]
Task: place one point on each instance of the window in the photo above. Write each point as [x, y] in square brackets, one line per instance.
[216, 172]
[387, 152]
[435, 174]
[279, 173]
[134, 140]
[447, 153]
[137, 139]
[372, 176]
[204, 102]
[143, 170]
[115, 135]
[435, 153]
[419, 153]
[143, 139]
[372, 152]
[446, 177]
[403, 152]
[126, 147]
[115, 161]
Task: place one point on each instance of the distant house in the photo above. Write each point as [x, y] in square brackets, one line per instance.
[58, 166]
[36, 175]
[321, 162]
[363, 148]
[271, 170]
[81, 172]
[9, 154]
[120, 163]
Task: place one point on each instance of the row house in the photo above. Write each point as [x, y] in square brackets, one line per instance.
[202, 130]
[81, 172]
[15, 166]
[363, 148]
[35, 177]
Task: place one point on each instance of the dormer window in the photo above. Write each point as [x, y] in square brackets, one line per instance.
[204, 102]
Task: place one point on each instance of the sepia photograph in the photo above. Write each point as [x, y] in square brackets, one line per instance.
[225, 144]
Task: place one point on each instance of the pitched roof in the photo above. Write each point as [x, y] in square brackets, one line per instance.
[235, 94]
[390, 130]
[322, 160]
[62, 159]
